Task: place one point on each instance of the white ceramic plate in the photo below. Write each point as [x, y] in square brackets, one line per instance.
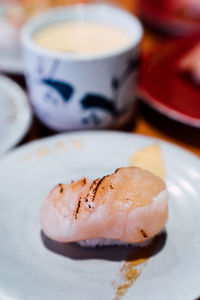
[10, 56]
[31, 270]
[15, 114]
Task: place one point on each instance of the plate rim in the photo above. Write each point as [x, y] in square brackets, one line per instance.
[79, 133]
[20, 94]
[11, 66]
[167, 110]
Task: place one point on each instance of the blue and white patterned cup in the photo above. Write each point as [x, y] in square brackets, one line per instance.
[71, 91]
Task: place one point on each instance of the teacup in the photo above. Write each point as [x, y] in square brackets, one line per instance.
[75, 91]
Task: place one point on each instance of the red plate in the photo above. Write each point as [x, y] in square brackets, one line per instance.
[165, 88]
[178, 24]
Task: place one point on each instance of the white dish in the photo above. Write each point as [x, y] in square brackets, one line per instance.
[10, 56]
[11, 63]
[15, 114]
[29, 270]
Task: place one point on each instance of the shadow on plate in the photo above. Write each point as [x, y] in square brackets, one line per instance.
[112, 253]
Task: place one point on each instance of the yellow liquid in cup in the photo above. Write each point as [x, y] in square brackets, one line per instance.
[82, 37]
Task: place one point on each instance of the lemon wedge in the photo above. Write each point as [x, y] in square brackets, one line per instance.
[150, 159]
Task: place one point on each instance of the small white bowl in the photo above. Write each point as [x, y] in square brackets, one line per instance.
[72, 91]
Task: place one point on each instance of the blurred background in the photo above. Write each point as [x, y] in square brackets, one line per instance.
[169, 76]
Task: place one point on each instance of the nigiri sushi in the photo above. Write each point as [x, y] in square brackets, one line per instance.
[128, 206]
